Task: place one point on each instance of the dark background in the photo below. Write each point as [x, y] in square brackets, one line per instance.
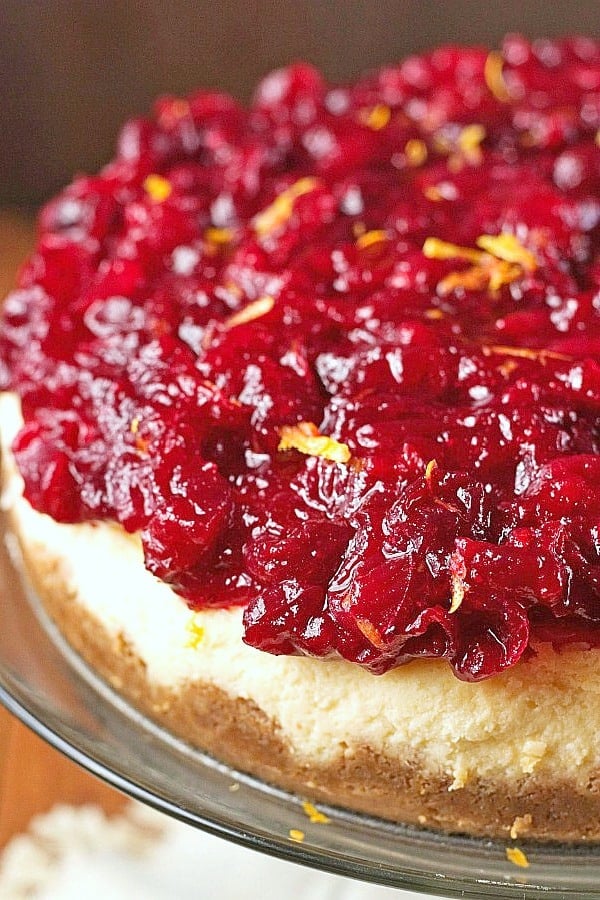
[72, 70]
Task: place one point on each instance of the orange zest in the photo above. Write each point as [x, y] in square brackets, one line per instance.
[415, 151]
[464, 147]
[458, 572]
[458, 593]
[540, 355]
[493, 73]
[372, 634]
[219, 236]
[434, 248]
[376, 117]
[517, 857]
[429, 470]
[158, 188]
[443, 190]
[306, 438]
[501, 260]
[371, 238]
[280, 210]
[196, 632]
[173, 111]
[254, 310]
[506, 246]
[469, 144]
[141, 444]
[316, 817]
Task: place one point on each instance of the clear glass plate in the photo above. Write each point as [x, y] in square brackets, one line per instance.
[52, 691]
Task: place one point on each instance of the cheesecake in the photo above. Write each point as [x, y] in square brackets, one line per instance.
[301, 432]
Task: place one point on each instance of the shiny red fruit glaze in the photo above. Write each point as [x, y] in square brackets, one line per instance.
[337, 356]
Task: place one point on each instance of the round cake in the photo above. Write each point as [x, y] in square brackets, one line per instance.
[301, 432]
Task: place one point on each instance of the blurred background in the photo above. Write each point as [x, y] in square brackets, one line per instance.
[71, 71]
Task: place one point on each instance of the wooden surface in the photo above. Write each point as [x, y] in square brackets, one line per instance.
[33, 776]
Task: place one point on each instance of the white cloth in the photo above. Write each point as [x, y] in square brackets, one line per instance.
[76, 852]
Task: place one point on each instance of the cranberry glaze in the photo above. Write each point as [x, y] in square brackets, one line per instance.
[337, 356]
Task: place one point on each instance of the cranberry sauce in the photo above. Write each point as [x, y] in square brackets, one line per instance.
[337, 356]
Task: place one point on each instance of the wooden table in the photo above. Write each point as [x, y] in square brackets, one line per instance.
[33, 776]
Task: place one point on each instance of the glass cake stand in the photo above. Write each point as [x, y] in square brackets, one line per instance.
[46, 685]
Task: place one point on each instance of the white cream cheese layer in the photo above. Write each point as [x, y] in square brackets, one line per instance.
[544, 716]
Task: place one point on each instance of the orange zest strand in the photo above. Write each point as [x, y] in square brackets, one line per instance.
[306, 438]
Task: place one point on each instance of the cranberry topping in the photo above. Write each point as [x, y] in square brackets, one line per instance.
[336, 356]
